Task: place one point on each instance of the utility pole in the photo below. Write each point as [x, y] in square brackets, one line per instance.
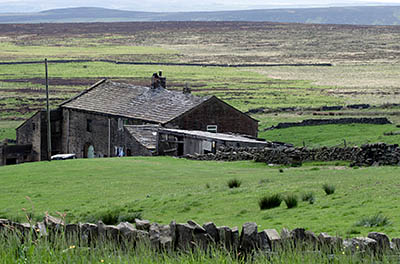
[48, 114]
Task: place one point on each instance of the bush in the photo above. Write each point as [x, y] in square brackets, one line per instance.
[129, 217]
[329, 189]
[113, 217]
[234, 183]
[270, 201]
[109, 217]
[309, 196]
[373, 221]
[291, 201]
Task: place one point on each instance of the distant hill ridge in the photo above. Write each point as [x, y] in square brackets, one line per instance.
[356, 15]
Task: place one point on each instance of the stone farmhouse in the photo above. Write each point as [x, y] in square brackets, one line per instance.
[117, 119]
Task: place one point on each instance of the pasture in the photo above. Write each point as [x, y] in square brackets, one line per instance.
[365, 63]
[162, 189]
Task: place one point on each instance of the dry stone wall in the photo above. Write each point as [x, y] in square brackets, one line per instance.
[367, 155]
[318, 122]
[192, 236]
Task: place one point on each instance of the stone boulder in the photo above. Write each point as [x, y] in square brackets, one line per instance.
[161, 237]
[329, 242]
[383, 242]
[52, 222]
[263, 241]
[72, 232]
[274, 239]
[184, 236]
[226, 237]
[41, 229]
[201, 238]
[108, 232]
[212, 231]
[249, 237]
[89, 233]
[235, 238]
[360, 244]
[126, 229]
[142, 225]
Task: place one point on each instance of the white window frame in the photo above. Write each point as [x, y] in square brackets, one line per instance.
[212, 128]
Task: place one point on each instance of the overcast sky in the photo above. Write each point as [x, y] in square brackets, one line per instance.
[177, 5]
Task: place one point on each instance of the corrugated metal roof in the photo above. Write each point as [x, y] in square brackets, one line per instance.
[216, 136]
[157, 105]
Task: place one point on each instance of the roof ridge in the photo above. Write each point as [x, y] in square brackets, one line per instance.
[84, 91]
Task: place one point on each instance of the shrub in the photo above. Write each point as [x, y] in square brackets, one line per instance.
[234, 183]
[373, 221]
[329, 189]
[129, 217]
[270, 201]
[115, 216]
[207, 185]
[291, 201]
[309, 196]
[109, 217]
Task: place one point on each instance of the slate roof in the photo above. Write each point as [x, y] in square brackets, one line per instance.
[156, 105]
[145, 135]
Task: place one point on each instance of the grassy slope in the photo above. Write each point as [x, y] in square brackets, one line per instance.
[166, 188]
[333, 135]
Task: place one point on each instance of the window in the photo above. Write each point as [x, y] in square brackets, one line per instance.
[120, 124]
[33, 126]
[212, 128]
[89, 127]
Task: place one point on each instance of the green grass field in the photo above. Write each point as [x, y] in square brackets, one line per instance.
[334, 135]
[163, 189]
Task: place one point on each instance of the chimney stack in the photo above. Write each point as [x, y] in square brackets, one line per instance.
[158, 81]
[186, 89]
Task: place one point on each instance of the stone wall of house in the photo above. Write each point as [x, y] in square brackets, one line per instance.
[34, 131]
[366, 155]
[77, 136]
[56, 133]
[29, 133]
[192, 236]
[216, 112]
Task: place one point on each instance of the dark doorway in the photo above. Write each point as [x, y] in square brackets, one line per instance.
[11, 161]
[180, 149]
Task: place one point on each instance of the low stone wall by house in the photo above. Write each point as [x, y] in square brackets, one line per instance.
[190, 236]
[337, 121]
[366, 155]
